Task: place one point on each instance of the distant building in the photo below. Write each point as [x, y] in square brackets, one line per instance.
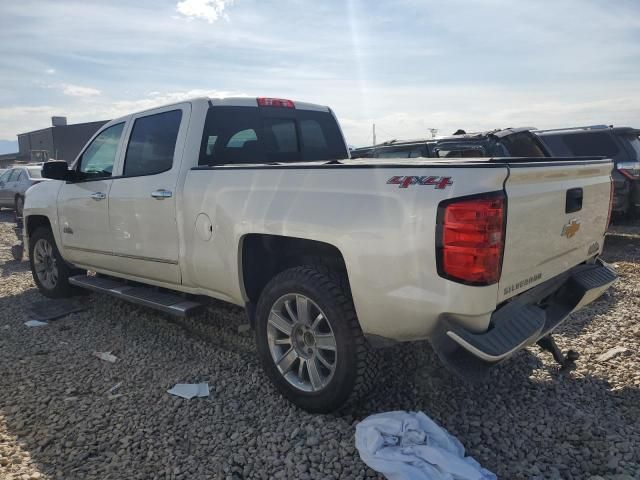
[59, 142]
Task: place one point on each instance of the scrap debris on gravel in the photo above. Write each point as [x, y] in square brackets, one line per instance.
[65, 414]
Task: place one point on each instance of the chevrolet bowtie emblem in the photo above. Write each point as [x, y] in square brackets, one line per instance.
[571, 228]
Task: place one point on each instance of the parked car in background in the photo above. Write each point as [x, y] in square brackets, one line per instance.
[621, 144]
[14, 183]
[509, 142]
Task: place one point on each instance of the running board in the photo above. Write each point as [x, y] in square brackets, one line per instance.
[170, 303]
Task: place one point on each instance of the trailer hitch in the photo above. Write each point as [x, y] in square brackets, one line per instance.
[548, 344]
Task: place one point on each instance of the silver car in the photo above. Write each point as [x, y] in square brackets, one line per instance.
[14, 183]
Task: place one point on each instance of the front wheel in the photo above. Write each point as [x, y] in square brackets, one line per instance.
[50, 272]
[309, 340]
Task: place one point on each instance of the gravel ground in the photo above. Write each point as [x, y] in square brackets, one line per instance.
[528, 420]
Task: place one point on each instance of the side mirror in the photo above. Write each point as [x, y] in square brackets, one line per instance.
[57, 170]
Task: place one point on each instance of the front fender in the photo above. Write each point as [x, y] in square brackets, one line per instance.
[42, 200]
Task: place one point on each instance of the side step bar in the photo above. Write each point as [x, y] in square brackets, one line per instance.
[170, 303]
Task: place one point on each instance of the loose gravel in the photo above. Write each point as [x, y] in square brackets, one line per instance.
[58, 418]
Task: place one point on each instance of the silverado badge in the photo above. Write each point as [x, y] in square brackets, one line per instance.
[571, 228]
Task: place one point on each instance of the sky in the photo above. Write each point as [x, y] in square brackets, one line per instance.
[406, 65]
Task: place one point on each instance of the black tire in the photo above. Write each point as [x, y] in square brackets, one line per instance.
[19, 205]
[354, 368]
[61, 287]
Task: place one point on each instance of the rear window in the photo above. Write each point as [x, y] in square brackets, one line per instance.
[408, 151]
[591, 144]
[35, 173]
[269, 135]
[460, 152]
[14, 175]
[522, 145]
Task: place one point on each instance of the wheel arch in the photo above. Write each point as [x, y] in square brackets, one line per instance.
[263, 256]
[33, 222]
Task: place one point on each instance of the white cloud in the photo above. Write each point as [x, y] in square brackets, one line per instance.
[156, 99]
[20, 119]
[50, 71]
[209, 10]
[79, 91]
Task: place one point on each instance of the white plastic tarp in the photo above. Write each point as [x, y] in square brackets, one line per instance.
[411, 446]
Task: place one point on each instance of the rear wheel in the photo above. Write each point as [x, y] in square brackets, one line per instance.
[50, 272]
[309, 340]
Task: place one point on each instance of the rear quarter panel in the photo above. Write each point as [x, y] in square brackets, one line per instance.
[386, 235]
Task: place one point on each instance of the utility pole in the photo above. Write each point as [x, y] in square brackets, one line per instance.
[374, 134]
[433, 131]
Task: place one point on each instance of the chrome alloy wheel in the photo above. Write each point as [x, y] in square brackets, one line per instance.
[44, 262]
[301, 342]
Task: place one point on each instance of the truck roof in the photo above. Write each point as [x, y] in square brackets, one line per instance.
[226, 101]
[253, 102]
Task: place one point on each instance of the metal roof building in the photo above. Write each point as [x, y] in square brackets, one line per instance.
[59, 141]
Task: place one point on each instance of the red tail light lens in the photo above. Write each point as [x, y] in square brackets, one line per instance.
[275, 102]
[472, 239]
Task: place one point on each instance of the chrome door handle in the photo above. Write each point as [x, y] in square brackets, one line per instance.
[162, 193]
[98, 196]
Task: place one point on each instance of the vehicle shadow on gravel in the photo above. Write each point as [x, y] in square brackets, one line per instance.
[621, 248]
[12, 267]
[527, 418]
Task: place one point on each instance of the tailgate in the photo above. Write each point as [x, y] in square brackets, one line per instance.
[556, 218]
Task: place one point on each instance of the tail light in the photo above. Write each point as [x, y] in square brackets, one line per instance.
[471, 239]
[629, 169]
[275, 102]
[612, 186]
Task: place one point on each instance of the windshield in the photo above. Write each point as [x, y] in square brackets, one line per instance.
[35, 172]
[269, 135]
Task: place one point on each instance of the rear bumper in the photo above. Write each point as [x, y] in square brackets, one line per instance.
[522, 321]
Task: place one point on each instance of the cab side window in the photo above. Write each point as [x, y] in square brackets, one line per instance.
[152, 144]
[98, 158]
[5, 176]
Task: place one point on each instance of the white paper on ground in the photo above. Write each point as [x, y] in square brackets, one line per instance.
[106, 356]
[35, 323]
[190, 390]
[609, 354]
[114, 388]
[411, 446]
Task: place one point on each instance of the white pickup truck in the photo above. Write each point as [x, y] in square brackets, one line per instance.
[256, 202]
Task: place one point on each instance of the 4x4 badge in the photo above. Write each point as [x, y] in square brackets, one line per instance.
[571, 228]
[439, 183]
